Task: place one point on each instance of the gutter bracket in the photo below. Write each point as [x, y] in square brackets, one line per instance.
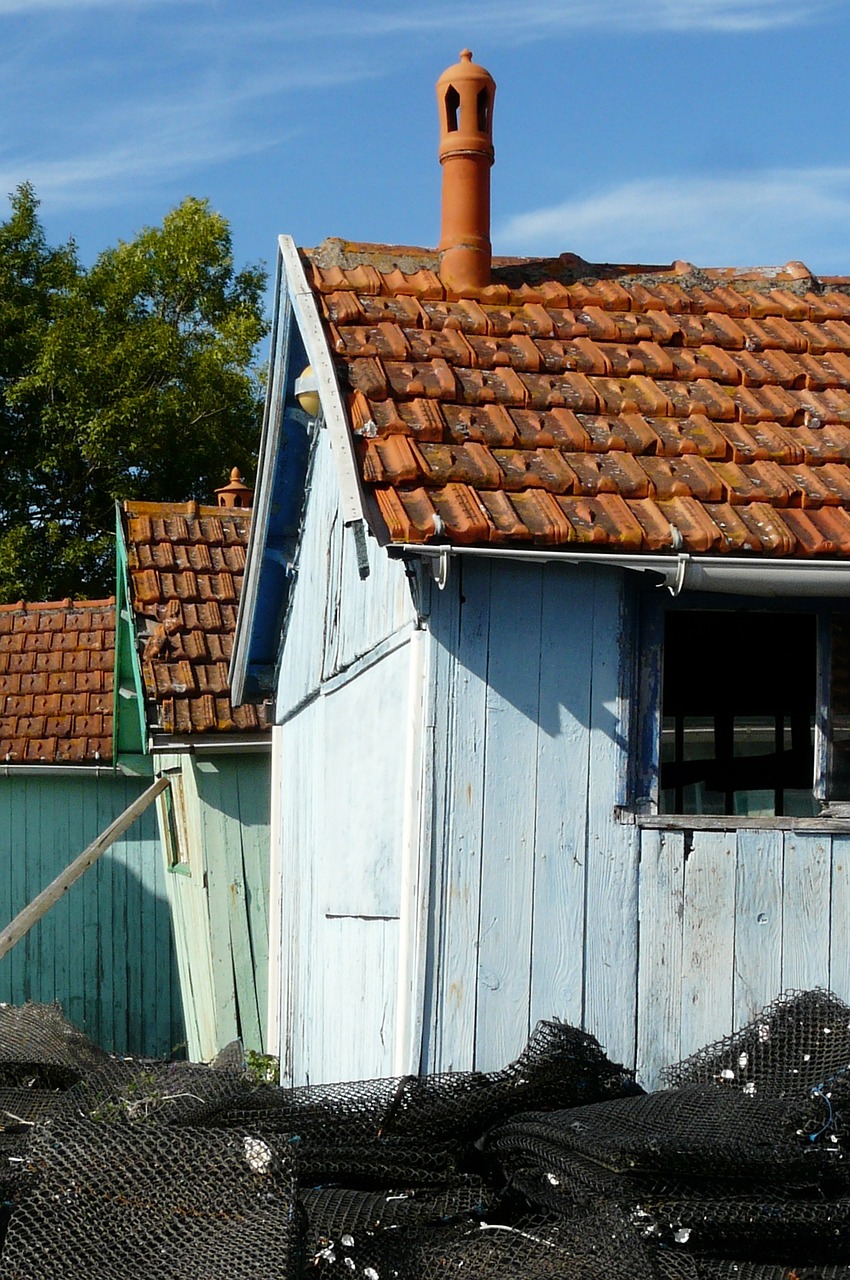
[675, 587]
[440, 568]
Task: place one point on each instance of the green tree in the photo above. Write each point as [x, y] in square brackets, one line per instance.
[137, 381]
[34, 281]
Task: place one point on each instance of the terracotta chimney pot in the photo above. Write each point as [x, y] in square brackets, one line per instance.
[235, 494]
[465, 95]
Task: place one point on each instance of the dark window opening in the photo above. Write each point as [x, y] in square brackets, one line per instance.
[452, 106]
[839, 708]
[483, 111]
[738, 713]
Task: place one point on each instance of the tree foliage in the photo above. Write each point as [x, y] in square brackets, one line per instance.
[131, 379]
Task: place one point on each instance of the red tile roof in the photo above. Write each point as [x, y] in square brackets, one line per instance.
[186, 564]
[56, 668]
[634, 409]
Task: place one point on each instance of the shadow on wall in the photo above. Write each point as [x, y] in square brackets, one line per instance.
[105, 951]
[548, 640]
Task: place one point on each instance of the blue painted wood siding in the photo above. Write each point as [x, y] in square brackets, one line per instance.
[343, 707]
[729, 919]
[535, 888]
[542, 896]
[105, 950]
[547, 898]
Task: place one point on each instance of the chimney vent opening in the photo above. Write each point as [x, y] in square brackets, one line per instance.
[452, 105]
[483, 111]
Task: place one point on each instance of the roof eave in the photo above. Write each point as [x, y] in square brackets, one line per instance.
[682, 571]
[268, 570]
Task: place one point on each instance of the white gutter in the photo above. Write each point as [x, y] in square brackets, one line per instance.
[681, 572]
[319, 357]
[63, 771]
[209, 746]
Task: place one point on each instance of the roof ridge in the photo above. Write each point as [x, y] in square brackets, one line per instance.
[26, 606]
[567, 268]
[190, 510]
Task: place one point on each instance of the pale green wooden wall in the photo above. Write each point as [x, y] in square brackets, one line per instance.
[105, 950]
[219, 899]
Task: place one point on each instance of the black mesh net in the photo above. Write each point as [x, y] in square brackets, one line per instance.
[559, 1165]
[40, 1048]
[126, 1199]
[797, 1043]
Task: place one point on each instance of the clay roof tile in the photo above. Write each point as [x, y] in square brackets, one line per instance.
[642, 407]
[185, 614]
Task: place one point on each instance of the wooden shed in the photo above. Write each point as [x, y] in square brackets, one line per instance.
[549, 582]
[179, 577]
[105, 950]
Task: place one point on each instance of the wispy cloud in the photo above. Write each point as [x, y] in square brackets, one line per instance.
[97, 127]
[504, 19]
[101, 178]
[143, 145]
[25, 8]
[742, 219]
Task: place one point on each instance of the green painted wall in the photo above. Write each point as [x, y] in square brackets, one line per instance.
[219, 894]
[105, 950]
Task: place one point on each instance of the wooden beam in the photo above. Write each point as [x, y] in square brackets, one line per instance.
[41, 904]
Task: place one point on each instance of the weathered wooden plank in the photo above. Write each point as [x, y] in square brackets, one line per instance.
[822, 825]
[415, 855]
[275, 936]
[207, 778]
[126, 866]
[443, 631]
[462, 628]
[561, 800]
[37, 956]
[11, 853]
[708, 939]
[662, 905]
[361, 1012]
[301, 774]
[111, 926]
[364, 749]
[839, 930]
[758, 923]
[169, 1013]
[26, 837]
[612, 846]
[223, 837]
[188, 894]
[253, 783]
[68, 913]
[806, 890]
[510, 796]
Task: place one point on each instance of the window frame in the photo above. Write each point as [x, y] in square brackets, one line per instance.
[173, 824]
[654, 605]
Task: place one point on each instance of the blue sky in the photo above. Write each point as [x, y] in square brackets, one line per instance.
[716, 131]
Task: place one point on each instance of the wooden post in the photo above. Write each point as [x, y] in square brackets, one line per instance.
[41, 904]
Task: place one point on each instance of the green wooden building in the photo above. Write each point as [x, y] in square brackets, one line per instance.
[105, 950]
[178, 584]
